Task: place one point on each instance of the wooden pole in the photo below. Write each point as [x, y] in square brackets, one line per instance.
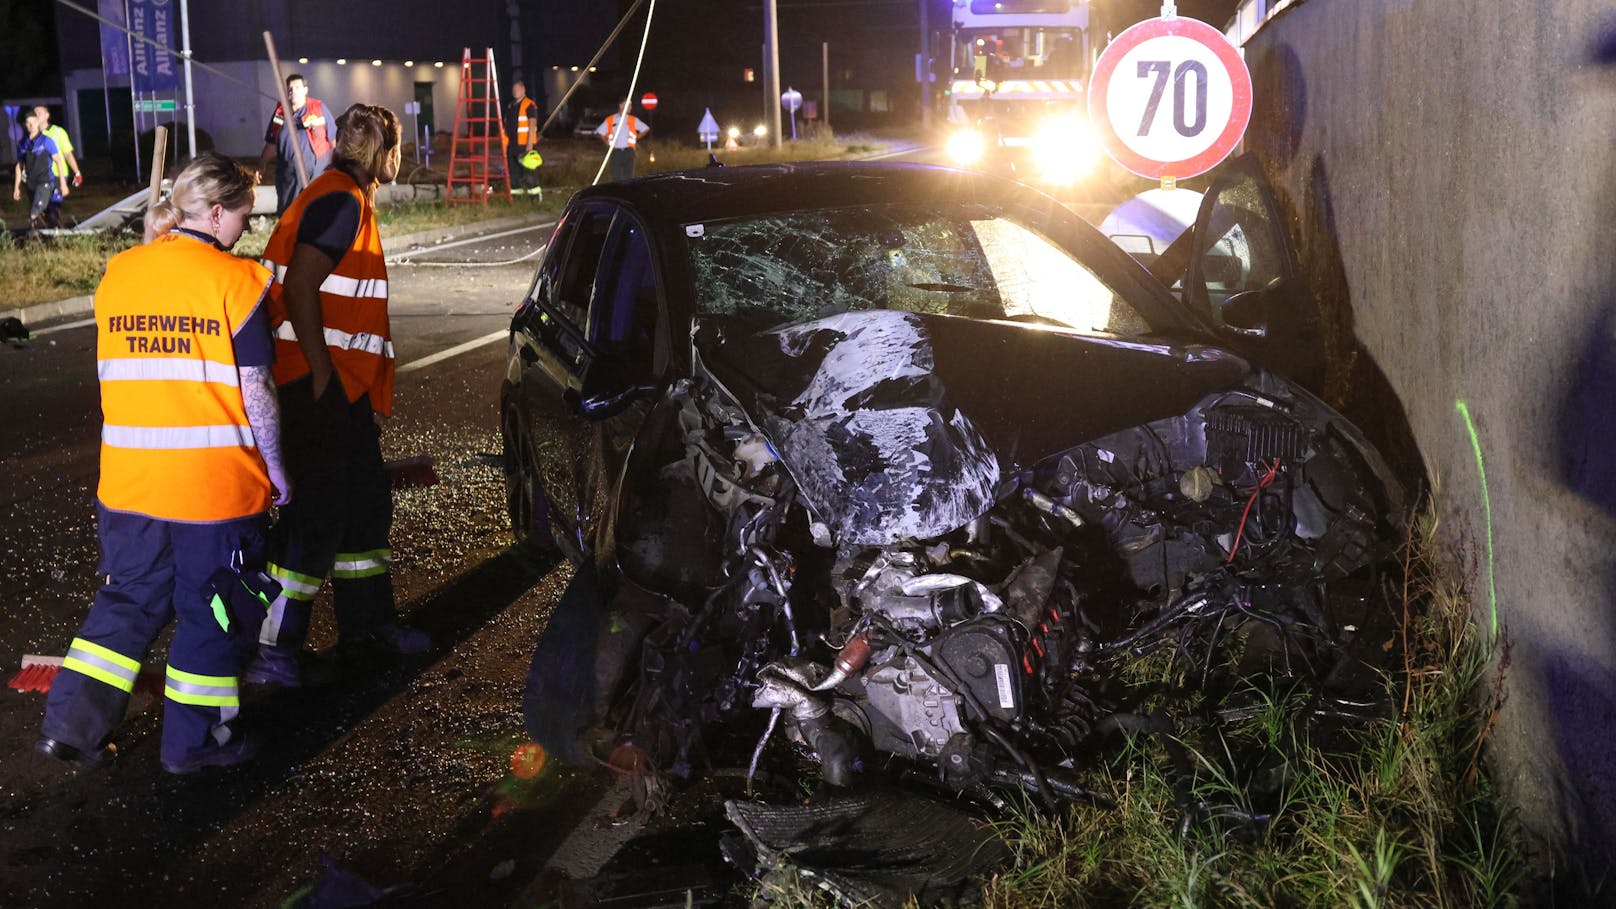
[286, 112]
[159, 155]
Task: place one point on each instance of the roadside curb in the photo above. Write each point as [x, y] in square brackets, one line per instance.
[391, 246]
[56, 309]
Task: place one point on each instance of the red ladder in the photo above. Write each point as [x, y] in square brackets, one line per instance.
[477, 155]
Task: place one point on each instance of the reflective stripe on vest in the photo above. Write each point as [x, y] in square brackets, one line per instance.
[103, 665]
[342, 340]
[147, 369]
[361, 564]
[373, 288]
[202, 690]
[170, 438]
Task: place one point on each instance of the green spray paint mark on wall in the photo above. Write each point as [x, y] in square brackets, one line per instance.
[1486, 506]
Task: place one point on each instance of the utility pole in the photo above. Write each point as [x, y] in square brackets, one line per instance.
[925, 67]
[771, 63]
[824, 63]
[190, 99]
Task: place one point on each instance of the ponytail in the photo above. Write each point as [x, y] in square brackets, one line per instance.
[162, 218]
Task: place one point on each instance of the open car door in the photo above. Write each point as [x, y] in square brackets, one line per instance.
[1242, 274]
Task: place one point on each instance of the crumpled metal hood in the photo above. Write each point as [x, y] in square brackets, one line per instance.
[899, 425]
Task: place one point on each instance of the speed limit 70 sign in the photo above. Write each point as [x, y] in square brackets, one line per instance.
[1171, 98]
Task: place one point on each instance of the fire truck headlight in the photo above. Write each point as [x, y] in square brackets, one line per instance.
[966, 147]
[1064, 149]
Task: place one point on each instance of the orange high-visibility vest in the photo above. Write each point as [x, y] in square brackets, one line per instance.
[527, 116]
[313, 121]
[353, 301]
[175, 440]
[631, 130]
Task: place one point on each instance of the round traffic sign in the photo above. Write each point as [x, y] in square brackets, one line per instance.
[1170, 97]
[648, 101]
[791, 100]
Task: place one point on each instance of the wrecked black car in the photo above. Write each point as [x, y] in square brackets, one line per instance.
[900, 464]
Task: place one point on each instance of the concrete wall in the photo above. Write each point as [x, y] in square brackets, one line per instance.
[236, 117]
[1452, 163]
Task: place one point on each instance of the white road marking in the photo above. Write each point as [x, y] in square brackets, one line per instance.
[63, 327]
[456, 350]
[425, 250]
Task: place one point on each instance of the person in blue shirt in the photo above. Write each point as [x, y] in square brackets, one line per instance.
[35, 158]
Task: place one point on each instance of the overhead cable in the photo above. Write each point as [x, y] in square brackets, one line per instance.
[633, 81]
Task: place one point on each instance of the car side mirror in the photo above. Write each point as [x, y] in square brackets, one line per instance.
[1245, 314]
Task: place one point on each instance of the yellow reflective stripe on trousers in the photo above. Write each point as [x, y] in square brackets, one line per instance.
[295, 585]
[168, 438]
[202, 690]
[103, 665]
[361, 564]
[155, 369]
[343, 340]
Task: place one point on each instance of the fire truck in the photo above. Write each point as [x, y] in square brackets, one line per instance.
[1016, 99]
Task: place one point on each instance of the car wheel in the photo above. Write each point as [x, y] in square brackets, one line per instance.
[526, 505]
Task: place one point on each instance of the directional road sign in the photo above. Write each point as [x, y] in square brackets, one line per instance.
[708, 130]
[1170, 98]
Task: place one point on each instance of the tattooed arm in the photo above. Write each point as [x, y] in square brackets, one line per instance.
[263, 412]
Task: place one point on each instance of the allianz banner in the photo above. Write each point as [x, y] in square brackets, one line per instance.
[155, 71]
[114, 43]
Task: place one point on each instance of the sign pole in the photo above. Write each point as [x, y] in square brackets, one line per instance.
[190, 99]
[134, 113]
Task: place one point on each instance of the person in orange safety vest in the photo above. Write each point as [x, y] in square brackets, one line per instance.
[522, 126]
[310, 128]
[622, 131]
[190, 462]
[334, 365]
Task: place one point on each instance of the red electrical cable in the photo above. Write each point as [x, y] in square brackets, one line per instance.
[1267, 479]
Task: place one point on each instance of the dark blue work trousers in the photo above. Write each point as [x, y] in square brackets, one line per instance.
[338, 521]
[155, 572]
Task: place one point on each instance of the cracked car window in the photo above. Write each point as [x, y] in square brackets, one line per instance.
[796, 266]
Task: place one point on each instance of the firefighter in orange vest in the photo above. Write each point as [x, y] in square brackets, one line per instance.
[522, 123]
[310, 129]
[190, 461]
[334, 366]
[622, 131]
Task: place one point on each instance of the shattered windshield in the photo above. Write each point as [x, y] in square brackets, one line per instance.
[944, 260]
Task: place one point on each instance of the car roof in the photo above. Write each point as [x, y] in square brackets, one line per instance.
[710, 193]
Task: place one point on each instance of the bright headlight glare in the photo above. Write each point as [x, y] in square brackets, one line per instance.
[966, 147]
[1063, 149]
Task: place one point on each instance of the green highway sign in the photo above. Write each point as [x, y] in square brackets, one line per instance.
[150, 106]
